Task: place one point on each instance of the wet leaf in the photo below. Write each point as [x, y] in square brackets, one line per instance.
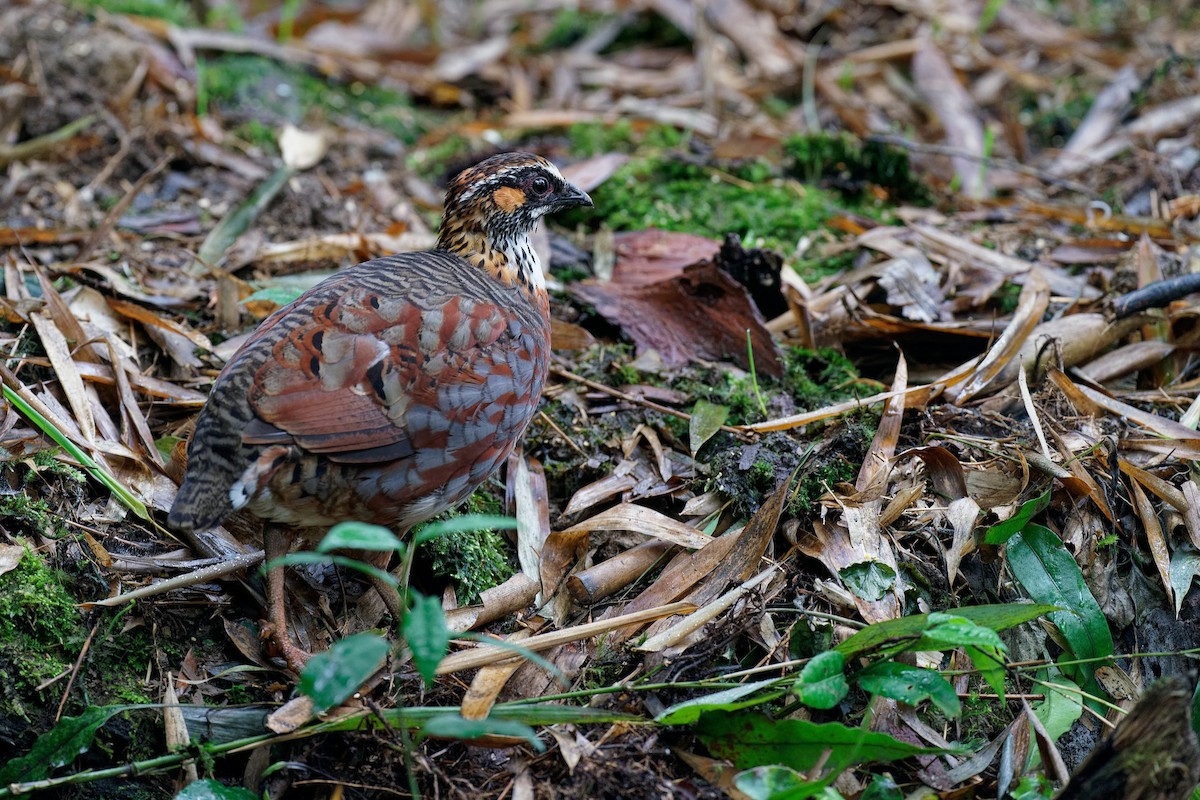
[739, 697]
[776, 782]
[707, 419]
[911, 685]
[870, 580]
[822, 683]
[1002, 531]
[58, 746]
[331, 677]
[210, 789]
[905, 632]
[753, 740]
[1048, 573]
[424, 628]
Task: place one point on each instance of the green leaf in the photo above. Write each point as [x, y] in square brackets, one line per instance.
[1048, 573]
[359, 536]
[59, 745]
[106, 478]
[467, 522]
[911, 685]
[454, 726]
[424, 628]
[707, 419]
[822, 683]
[209, 789]
[279, 295]
[1002, 531]
[331, 677]
[689, 711]
[776, 782]
[238, 221]
[1060, 710]
[901, 634]
[870, 580]
[809, 638]
[948, 631]
[882, 788]
[752, 740]
[989, 663]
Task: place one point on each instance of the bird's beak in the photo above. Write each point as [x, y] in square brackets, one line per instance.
[571, 195]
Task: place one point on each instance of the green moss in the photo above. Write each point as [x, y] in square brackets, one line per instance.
[31, 514]
[594, 138]
[817, 378]
[569, 27]
[258, 88]
[667, 192]
[177, 12]
[853, 166]
[47, 461]
[40, 628]
[474, 560]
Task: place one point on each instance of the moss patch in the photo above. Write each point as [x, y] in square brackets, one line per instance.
[668, 192]
[474, 560]
[851, 166]
[250, 87]
[177, 12]
[40, 631]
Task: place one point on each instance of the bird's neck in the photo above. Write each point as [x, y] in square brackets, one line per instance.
[509, 259]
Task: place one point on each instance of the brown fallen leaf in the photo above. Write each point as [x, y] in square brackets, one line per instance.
[702, 313]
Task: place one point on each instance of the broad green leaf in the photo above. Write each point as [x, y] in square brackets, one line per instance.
[901, 634]
[1060, 710]
[777, 782]
[59, 745]
[752, 740]
[1048, 573]
[454, 726]
[809, 638]
[424, 628]
[948, 631]
[467, 522]
[707, 419]
[989, 663]
[359, 536]
[1001, 531]
[738, 697]
[279, 295]
[209, 789]
[870, 580]
[822, 682]
[911, 685]
[331, 677]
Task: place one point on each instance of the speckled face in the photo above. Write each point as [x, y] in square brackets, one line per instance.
[507, 194]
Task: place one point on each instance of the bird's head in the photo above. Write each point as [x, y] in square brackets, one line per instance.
[502, 198]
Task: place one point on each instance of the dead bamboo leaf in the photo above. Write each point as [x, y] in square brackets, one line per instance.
[872, 476]
[1154, 536]
[639, 519]
[515, 594]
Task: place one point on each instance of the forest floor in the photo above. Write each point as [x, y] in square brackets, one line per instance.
[877, 353]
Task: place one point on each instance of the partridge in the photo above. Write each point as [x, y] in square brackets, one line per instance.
[390, 391]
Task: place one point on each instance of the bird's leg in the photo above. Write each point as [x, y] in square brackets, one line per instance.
[277, 541]
[391, 597]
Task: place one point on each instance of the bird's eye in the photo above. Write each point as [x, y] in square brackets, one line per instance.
[540, 186]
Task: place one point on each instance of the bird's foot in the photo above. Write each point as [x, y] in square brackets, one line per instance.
[295, 657]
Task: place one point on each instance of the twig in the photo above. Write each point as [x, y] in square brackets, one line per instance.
[554, 426]
[87, 644]
[566, 374]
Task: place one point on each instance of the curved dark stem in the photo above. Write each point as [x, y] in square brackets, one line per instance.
[1156, 295]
